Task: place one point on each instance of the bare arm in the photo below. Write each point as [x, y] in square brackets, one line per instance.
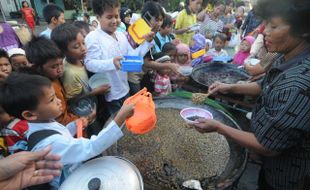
[251, 89]
[201, 15]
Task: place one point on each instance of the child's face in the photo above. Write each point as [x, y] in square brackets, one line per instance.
[49, 106]
[5, 66]
[182, 58]
[127, 19]
[77, 49]
[164, 71]
[166, 31]
[94, 24]
[218, 44]
[4, 119]
[195, 5]
[207, 47]
[172, 54]
[110, 20]
[245, 46]
[60, 20]
[156, 23]
[19, 61]
[53, 68]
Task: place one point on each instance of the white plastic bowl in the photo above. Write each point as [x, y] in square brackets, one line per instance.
[186, 70]
[254, 61]
[190, 112]
[97, 80]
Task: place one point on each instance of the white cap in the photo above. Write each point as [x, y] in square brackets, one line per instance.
[16, 51]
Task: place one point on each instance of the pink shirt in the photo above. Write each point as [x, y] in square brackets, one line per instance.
[240, 57]
[162, 85]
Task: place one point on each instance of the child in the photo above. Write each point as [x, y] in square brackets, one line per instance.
[33, 98]
[54, 16]
[18, 58]
[47, 60]
[14, 130]
[186, 19]
[70, 41]
[162, 85]
[5, 65]
[164, 35]
[125, 15]
[83, 26]
[207, 58]
[183, 57]
[219, 43]
[28, 15]
[197, 44]
[171, 50]
[106, 46]
[244, 50]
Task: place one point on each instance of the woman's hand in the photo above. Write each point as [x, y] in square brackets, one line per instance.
[220, 87]
[206, 125]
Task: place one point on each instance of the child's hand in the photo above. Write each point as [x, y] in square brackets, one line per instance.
[103, 89]
[175, 68]
[125, 112]
[117, 62]
[92, 116]
[83, 121]
[149, 37]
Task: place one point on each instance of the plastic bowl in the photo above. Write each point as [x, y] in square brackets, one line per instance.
[187, 113]
[97, 80]
[254, 61]
[186, 70]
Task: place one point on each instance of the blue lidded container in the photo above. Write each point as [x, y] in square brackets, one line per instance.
[132, 64]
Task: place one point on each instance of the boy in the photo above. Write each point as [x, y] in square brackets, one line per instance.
[18, 58]
[70, 41]
[106, 46]
[47, 60]
[162, 86]
[33, 98]
[54, 16]
[164, 35]
[5, 65]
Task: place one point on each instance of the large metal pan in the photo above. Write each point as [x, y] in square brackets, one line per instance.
[208, 73]
[106, 173]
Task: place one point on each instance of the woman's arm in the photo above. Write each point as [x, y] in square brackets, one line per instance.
[251, 89]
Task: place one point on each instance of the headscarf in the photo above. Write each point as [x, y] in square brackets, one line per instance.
[125, 12]
[199, 44]
[184, 49]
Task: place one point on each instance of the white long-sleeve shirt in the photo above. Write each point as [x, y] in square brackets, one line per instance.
[73, 151]
[102, 48]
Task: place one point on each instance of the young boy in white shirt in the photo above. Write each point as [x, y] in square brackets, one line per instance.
[32, 97]
[106, 46]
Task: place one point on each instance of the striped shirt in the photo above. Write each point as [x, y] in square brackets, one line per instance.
[281, 122]
[210, 26]
[162, 85]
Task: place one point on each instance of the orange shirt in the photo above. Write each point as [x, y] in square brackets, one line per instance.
[65, 117]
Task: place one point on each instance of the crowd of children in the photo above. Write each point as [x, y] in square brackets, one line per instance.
[40, 81]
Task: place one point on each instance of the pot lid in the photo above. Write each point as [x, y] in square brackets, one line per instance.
[105, 173]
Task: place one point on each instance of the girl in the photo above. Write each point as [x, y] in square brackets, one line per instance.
[125, 15]
[197, 44]
[28, 14]
[185, 19]
[183, 57]
[244, 50]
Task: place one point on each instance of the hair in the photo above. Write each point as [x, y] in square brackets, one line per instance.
[221, 36]
[50, 11]
[63, 34]
[154, 9]
[188, 11]
[21, 92]
[295, 13]
[82, 25]
[167, 21]
[99, 6]
[40, 50]
[169, 47]
[24, 2]
[86, 15]
[4, 54]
